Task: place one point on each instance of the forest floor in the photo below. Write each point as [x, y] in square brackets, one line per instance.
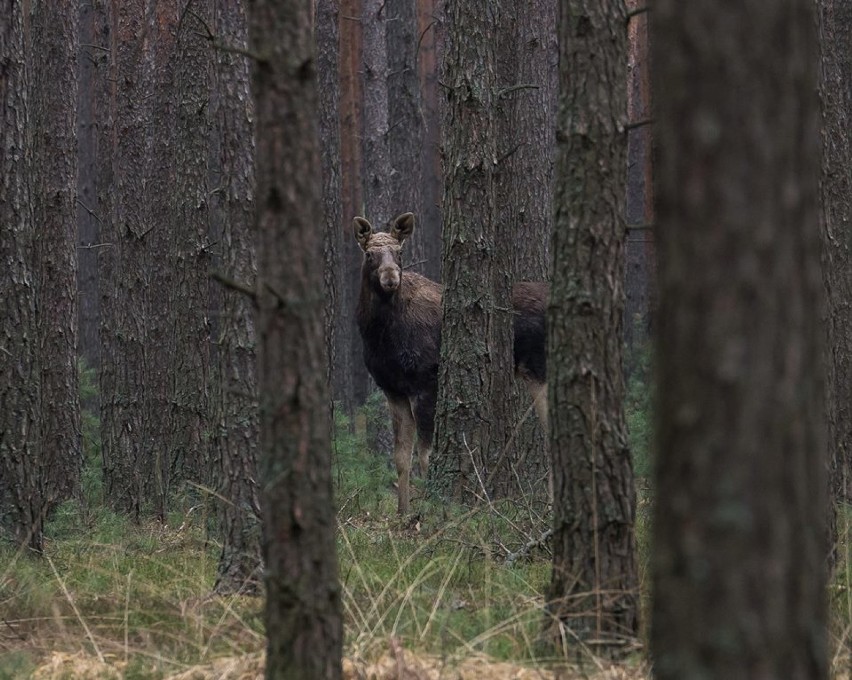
[447, 593]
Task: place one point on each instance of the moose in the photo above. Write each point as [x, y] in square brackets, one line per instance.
[399, 319]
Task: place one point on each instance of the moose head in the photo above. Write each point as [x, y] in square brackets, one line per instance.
[382, 265]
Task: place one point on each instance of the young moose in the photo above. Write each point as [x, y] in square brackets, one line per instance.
[399, 317]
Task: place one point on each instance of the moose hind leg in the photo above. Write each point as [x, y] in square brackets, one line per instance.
[403, 443]
[423, 408]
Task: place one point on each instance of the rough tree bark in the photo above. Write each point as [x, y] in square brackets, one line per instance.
[527, 60]
[236, 417]
[22, 505]
[594, 589]
[741, 471]
[835, 22]
[129, 464]
[405, 123]
[53, 100]
[303, 606]
[91, 64]
[328, 80]
[476, 346]
[188, 297]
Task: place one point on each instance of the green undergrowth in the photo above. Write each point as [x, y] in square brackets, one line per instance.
[139, 595]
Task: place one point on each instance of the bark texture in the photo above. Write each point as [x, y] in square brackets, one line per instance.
[53, 101]
[741, 471]
[91, 66]
[594, 585]
[22, 504]
[835, 22]
[328, 80]
[527, 68]
[236, 416]
[188, 302]
[303, 607]
[476, 349]
[405, 124]
[130, 465]
[356, 382]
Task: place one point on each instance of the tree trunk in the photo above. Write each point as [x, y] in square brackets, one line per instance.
[328, 80]
[22, 505]
[190, 260]
[405, 123]
[594, 589]
[640, 253]
[356, 383]
[303, 609]
[377, 161]
[476, 349]
[835, 21]
[429, 32]
[236, 417]
[741, 471]
[130, 464]
[91, 65]
[527, 62]
[53, 101]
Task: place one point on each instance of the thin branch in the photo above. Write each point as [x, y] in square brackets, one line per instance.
[92, 246]
[646, 226]
[89, 210]
[636, 12]
[235, 285]
[638, 123]
[514, 88]
[525, 550]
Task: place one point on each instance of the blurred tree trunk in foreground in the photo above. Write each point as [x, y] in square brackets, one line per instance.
[303, 607]
[594, 589]
[741, 467]
[22, 505]
[236, 417]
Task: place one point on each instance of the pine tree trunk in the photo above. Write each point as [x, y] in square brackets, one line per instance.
[328, 80]
[131, 463]
[594, 586]
[236, 417]
[741, 471]
[356, 383]
[476, 345]
[189, 261]
[53, 101]
[527, 61]
[405, 124]
[91, 65]
[429, 32]
[835, 21]
[303, 608]
[640, 250]
[22, 505]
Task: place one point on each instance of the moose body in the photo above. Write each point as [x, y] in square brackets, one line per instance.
[399, 318]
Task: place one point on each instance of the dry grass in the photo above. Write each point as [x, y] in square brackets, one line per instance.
[395, 664]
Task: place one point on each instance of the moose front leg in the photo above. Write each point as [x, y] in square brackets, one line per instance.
[403, 443]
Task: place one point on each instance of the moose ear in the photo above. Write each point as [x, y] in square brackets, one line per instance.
[363, 230]
[402, 226]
